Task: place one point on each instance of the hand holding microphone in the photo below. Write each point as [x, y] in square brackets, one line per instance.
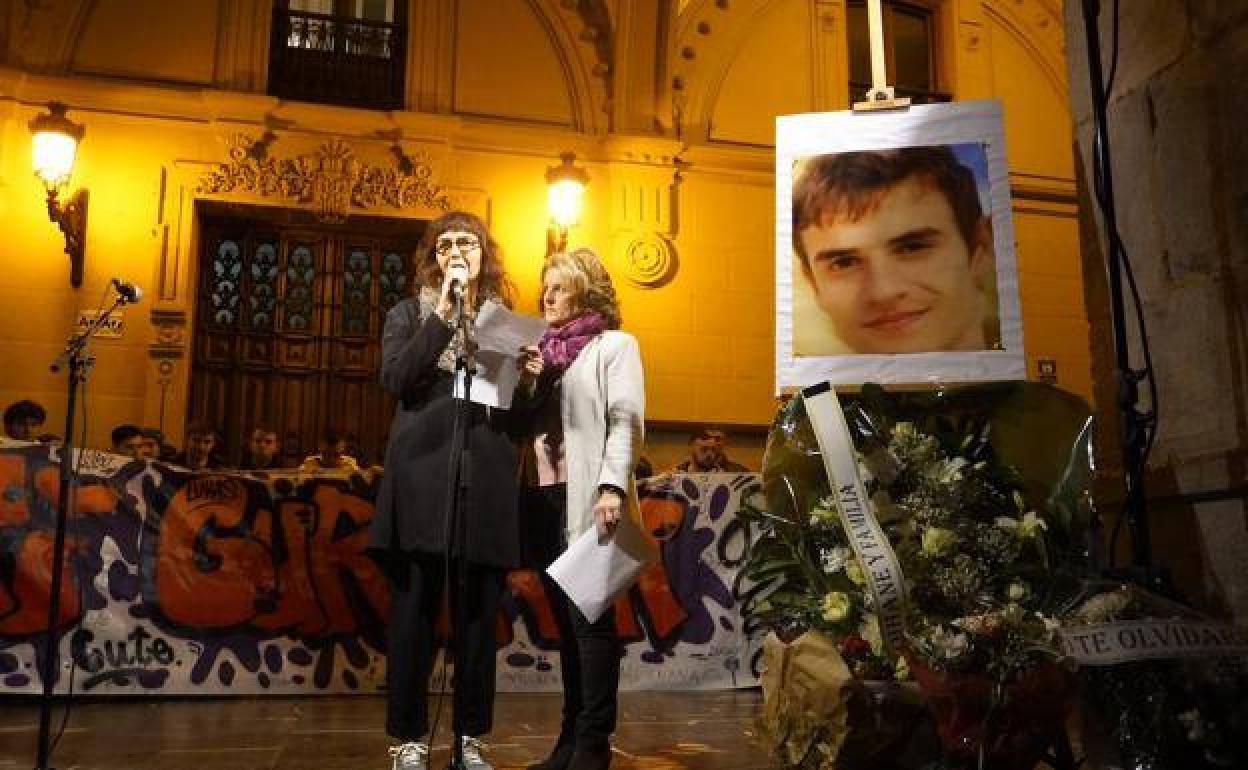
[454, 283]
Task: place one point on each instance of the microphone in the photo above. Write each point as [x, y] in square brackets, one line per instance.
[459, 279]
[129, 292]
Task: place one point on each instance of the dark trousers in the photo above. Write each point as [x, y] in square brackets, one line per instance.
[417, 585]
[589, 653]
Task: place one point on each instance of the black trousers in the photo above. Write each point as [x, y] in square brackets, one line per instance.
[589, 653]
[417, 586]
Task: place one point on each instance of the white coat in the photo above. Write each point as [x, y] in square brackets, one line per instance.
[602, 406]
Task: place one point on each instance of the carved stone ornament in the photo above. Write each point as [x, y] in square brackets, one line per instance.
[332, 179]
[649, 260]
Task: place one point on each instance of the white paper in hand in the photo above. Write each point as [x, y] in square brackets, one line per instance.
[499, 335]
[593, 573]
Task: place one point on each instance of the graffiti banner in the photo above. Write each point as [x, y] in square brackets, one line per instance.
[181, 583]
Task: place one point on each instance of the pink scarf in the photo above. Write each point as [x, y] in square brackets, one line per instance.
[561, 344]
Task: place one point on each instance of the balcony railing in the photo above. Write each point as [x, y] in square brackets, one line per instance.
[318, 57]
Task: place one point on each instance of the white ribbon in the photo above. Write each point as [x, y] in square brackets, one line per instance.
[870, 544]
[1107, 644]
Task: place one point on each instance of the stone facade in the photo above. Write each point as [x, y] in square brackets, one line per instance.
[1179, 153]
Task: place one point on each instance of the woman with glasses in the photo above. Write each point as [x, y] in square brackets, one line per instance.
[409, 533]
[588, 411]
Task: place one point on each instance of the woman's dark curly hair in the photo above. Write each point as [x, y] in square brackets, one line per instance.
[492, 280]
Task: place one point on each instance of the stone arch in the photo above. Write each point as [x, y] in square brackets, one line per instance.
[582, 41]
[708, 35]
[1037, 25]
[48, 35]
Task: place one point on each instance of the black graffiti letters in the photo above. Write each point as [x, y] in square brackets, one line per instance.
[138, 649]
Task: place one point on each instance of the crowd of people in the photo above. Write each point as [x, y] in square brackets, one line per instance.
[24, 421]
[561, 462]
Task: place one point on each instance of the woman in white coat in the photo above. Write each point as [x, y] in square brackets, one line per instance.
[579, 475]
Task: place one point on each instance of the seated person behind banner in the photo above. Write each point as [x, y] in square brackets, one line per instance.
[200, 453]
[707, 453]
[156, 447]
[897, 250]
[261, 453]
[589, 429]
[408, 535]
[128, 440]
[152, 441]
[333, 455]
[23, 419]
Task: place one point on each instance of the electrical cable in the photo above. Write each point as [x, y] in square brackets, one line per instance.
[1102, 175]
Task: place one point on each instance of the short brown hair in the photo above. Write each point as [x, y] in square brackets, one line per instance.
[200, 429]
[589, 280]
[492, 280]
[850, 184]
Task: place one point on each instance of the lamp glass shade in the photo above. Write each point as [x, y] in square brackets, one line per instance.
[564, 201]
[52, 155]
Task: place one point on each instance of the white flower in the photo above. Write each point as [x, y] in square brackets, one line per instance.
[1103, 607]
[902, 671]
[824, 509]
[1017, 591]
[853, 571]
[834, 559]
[904, 430]
[949, 645]
[948, 471]
[870, 630]
[835, 607]
[937, 541]
[1026, 528]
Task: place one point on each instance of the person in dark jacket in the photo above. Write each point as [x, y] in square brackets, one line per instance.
[409, 533]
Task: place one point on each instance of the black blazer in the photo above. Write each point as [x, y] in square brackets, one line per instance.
[411, 503]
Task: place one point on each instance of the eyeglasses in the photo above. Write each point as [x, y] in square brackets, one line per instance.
[463, 243]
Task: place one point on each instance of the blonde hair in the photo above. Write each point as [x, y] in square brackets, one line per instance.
[587, 277]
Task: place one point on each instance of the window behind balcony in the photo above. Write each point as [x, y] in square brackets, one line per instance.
[349, 52]
[909, 51]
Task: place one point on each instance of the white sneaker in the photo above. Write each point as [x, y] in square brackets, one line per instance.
[471, 749]
[410, 756]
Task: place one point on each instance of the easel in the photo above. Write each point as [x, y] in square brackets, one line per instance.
[880, 96]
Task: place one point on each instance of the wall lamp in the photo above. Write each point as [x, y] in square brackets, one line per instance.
[54, 144]
[565, 192]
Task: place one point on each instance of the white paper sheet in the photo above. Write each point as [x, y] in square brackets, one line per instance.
[499, 334]
[593, 572]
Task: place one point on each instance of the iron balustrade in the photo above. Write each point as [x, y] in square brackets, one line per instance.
[332, 59]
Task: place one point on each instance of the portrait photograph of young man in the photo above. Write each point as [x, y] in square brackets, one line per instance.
[893, 252]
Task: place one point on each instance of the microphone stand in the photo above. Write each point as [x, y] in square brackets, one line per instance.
[79, 361]
[459, 482]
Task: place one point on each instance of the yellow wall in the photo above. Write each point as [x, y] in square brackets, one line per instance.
[674, 112]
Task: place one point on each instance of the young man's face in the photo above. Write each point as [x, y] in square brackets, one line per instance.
[23, 429]
[199, 447]
[901, 279]
[150, 448]
[263, 446]
[131, 447]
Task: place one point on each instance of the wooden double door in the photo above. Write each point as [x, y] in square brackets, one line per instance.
[288, 329]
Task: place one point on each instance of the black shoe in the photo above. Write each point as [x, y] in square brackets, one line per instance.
[590, 758]
[558, 759]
